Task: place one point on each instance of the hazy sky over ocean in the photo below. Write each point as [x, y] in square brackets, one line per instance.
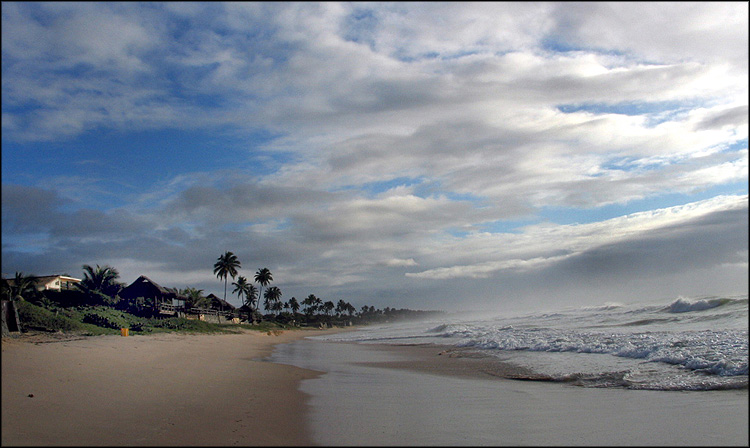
[420, 155]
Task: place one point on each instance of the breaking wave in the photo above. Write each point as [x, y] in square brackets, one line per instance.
[688, 344]
[682, 305]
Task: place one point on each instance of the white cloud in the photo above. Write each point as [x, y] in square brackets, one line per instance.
[486, 269]
[521, 251]
[492, 111]
[400, 262]
[694, 31]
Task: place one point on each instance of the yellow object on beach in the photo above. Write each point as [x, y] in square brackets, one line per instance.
[124, 331]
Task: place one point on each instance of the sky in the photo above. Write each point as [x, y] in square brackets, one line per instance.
[451, 156]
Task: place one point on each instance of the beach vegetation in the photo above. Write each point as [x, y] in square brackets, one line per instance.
[242, 289]
[105, 317]
[95, 307]
[100, 320]
[271, 299]
[22, 287]
[263, 277]
[293, 305]
[194, 298]
[226, 266]
[35, 317]
[64, 298]
[100, 284]
[311, 304]
[251, 297]
[284, 318]
[190, 325]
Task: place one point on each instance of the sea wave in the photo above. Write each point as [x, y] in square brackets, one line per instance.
[641, 322]
[464, 330]
[682, 305]
[722, 354]
[679, 305]
[605, 307]
[704, 340]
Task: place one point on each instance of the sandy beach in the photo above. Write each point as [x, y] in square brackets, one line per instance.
[171, 389]
[258, 389]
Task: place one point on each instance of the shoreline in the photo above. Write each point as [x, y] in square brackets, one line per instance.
[452, 361]
[420, 395]
[166, 389]
[468, 362]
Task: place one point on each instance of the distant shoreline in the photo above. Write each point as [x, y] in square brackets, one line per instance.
[166, 389]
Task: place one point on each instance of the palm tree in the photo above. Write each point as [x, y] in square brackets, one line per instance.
[194, 298]
[328, 307]
[350, 309]
[294, 305]
[367, 311]
[100, 283]
[22, 287]
[251, 295]
[240, 287]
[271, 298]
[340, 307]
[309, 302]
[226, 266]
[263, 277]
[318, 304]
[277, 307]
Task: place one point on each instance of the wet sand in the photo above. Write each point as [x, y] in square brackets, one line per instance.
[171, 389]
[414, 395]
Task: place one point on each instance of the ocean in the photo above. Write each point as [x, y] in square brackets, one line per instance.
[674, 372]
[683, 344]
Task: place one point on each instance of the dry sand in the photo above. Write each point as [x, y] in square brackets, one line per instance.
[170, 389]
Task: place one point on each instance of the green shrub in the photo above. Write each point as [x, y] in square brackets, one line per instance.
[34, 317]
[96, 320]
[180, 323]
[105, 317]
[66, 297]
[98, 298]
[140, 327]
[190, 325]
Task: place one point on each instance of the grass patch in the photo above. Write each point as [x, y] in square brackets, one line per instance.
[34, 317]
[101, 320]
[89, 320]
[190, 325]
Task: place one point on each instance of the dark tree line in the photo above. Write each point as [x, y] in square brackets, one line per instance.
[100, 287]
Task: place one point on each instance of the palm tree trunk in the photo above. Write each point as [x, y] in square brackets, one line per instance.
[260, 296]
[221, 305]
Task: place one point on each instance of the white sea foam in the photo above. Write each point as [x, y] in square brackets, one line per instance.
[682, 305]
[699, 337]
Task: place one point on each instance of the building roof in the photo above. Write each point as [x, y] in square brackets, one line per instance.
[43, 279]
[136, 288]
[61, 277]
[217, 301]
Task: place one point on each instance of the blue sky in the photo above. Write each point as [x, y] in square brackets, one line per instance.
[424, 155]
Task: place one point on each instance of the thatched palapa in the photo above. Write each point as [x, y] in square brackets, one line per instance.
[167, 300]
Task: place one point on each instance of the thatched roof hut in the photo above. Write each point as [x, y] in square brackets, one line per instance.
[149, 289]
[219, 304]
